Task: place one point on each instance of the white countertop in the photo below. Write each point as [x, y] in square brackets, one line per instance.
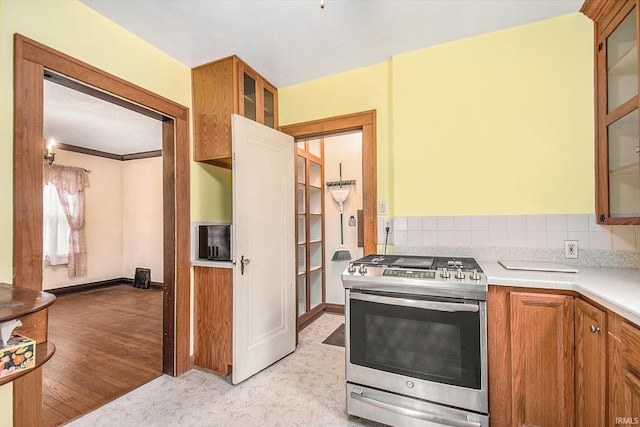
[617, 289]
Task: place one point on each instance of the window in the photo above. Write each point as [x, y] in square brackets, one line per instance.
[56, 228]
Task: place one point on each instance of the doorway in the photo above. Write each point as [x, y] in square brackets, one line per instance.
[108, 334]
[31, 60]
[365, 123]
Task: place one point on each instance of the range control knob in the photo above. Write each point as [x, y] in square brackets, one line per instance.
[363, 269]
[351, 268]
[475, 275]
[445, 274]
[459, 274]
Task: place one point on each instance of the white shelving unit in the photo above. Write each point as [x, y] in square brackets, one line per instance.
[310, 229]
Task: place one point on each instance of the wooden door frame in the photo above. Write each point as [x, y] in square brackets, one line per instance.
[30, 60]
[364, 121]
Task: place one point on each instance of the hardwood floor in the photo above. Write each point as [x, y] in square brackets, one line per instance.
[108, 341]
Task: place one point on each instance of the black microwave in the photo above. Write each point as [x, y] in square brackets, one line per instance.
[214, 242]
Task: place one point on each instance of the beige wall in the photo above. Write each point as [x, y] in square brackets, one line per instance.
[123, 219]
[348, 150]
[103, 222]
[142, 217]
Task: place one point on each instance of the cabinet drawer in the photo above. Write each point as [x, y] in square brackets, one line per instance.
[630, 337]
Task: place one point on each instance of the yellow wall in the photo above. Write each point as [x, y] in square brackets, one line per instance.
[75, 29]
[211, 193]
[349, 92]
[515, 106]
[507, 118]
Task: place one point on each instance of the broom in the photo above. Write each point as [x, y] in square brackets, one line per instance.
[342, 253]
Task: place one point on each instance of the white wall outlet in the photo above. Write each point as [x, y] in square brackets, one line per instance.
[571, 249]
[387, 225]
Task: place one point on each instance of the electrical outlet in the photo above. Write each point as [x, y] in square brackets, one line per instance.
[571, 249]
[387, 225]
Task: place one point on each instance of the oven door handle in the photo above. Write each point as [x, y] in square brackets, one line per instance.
[412, 412]
[406, 302]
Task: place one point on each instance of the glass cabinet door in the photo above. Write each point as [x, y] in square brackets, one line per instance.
[622, 63]
[618, 123]
[249, 98]
[624, 167]
[269, 108]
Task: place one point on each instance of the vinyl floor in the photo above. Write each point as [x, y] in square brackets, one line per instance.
[306, 388]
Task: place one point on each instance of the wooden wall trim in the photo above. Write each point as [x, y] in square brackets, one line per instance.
[30, 60]
[72, 84]
[106, 155]
[366, 122]
[334, 308]
[83, 72]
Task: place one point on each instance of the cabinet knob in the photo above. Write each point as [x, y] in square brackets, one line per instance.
[594, 329]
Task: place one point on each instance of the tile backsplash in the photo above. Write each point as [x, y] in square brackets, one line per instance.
[540, 236]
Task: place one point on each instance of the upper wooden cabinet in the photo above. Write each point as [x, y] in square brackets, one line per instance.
[222, 88]
[617, 107]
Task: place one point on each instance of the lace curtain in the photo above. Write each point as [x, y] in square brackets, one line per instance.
[70, 183]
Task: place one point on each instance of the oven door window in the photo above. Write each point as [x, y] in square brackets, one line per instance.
[432, 345]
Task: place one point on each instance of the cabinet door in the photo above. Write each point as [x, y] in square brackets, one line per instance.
[628, 412]
[618, 144]
[248, 88]
[213, 314]
[542, 351]
[214, 100]
[269, 105]
[590, 359]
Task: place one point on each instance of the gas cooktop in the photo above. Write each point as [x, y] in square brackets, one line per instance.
[419, 262]
[427, 275]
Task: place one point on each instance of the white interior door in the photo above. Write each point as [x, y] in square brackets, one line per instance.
[264, 324]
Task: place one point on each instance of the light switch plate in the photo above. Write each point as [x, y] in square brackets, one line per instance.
[382, 209]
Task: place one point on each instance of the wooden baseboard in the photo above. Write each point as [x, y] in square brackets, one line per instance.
[158, 285]
[327, 308]
[334, 308]
[97, 285]
[309, 320]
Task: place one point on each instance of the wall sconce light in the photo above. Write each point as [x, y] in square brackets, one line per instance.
[49, 156]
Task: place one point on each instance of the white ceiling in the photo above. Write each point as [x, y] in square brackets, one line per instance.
[293, 41]
[74, 118]
[287, 41]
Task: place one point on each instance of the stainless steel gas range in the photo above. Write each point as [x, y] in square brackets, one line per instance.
[416, 340]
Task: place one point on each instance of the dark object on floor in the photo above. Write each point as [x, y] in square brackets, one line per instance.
[142, 279]
[336, 337]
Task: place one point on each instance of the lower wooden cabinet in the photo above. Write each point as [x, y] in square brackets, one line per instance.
[546, 367]
[213, 319]
[624, 372]
[590, 364]
[542, 359]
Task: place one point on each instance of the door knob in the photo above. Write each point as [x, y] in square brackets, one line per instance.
[594, 329]
[243, 261]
